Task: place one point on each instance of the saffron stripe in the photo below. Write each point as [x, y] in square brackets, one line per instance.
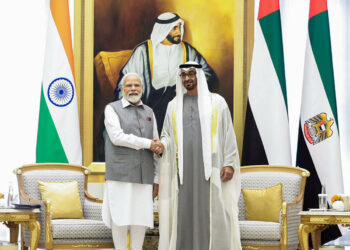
[60, 14]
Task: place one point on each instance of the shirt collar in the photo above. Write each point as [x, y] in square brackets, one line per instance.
[126, 103]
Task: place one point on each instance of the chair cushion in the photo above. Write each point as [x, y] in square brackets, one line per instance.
[264, 243]
[64, 199]
[83, 241]
[260, 230]
[79, 229]
[263, 204]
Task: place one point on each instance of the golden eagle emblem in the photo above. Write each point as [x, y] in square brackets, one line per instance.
[318, 128]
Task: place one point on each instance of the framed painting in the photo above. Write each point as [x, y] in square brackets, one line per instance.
[106, 32]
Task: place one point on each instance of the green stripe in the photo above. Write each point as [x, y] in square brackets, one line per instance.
[271, 28]
[321, 47]
[48, 146]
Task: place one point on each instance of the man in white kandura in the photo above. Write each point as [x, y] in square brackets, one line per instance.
[131, 165]
[199, 183]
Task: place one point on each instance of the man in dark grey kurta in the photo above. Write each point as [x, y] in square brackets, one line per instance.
[131, 166]
[193, 209]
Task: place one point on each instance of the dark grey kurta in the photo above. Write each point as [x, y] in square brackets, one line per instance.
[193, 207]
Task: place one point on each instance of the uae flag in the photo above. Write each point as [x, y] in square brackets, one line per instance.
[58, 137]
[266, 135]
[318, 142]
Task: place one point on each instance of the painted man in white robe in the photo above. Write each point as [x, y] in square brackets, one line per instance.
[131, 166]
[157, 60]
[199, 169]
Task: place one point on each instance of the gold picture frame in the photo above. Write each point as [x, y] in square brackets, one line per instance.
[84, 68]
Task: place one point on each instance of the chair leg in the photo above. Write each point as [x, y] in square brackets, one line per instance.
[22, 240]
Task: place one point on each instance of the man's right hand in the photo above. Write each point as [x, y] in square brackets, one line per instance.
[157, 147]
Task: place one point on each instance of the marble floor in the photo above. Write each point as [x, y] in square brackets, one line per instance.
[341, 241]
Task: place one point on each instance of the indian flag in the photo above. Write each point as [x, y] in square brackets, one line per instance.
[266, 135]
[58, 130]
[318, 142]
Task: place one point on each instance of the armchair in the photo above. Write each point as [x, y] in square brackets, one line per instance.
[261, 235]
[89, 232]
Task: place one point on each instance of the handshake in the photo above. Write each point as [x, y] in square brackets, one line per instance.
[157, 147]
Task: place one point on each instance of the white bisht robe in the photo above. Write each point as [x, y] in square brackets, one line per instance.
[223, 195]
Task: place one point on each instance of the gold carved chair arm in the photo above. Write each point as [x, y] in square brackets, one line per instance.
[88, 196]
[91, 198]
[92, 208]
[25, 199]
[44, 217]
[284, 236]
[297, 201]
[48, 226]
[291, 219]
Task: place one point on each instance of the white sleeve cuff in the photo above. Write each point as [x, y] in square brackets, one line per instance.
[156, 179]
[148, 143]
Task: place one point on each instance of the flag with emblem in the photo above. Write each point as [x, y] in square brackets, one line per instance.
[318, 143]
[266, 135]
[58, 138]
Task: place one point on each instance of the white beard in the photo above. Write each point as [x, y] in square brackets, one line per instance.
[133, 98]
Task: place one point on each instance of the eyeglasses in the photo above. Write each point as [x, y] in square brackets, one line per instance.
[190, 74]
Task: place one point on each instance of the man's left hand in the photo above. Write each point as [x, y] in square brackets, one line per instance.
[155, 190]
[226, 173]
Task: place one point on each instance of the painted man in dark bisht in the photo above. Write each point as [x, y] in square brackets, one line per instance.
[157, 60]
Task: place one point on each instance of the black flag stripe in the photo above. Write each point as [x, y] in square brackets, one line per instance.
[253, 148]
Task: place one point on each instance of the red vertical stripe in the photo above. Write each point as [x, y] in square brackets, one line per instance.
[266, 7]
[316, 7]
[60, 14]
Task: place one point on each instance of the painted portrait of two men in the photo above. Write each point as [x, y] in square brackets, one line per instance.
[152, 38]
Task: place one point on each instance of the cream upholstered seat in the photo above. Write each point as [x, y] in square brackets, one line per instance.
[273, 235]
[89, 232]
